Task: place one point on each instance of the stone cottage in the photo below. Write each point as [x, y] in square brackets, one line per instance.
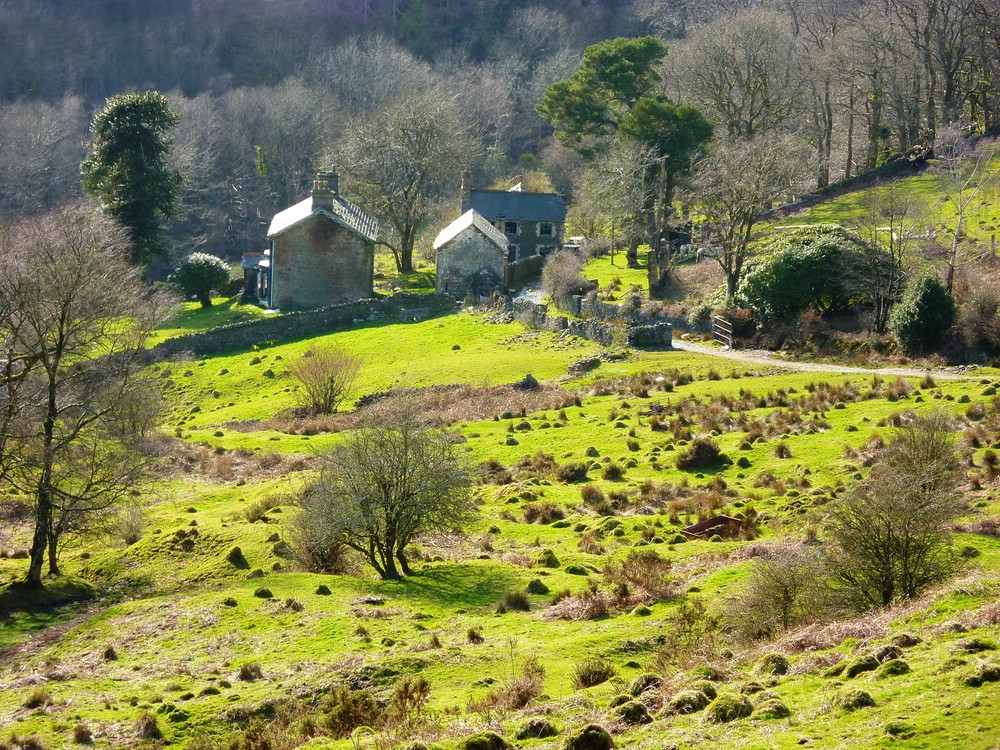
[532, 223]
[322, 252]
[471, 255]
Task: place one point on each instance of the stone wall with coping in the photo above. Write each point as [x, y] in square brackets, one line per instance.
[289, 326]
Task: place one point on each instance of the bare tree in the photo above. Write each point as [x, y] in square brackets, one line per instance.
[734, 185]
[782, 591]
[741, 71]
[889, 537]
[889, 224]
[967, 170]
[562, 277]
[326, 376]
[385, 484]
[73, 335]
[400, 161]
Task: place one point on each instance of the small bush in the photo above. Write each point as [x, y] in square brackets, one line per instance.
[146, 728]
[592, 672]
[852, 700]
[484, 741]
[474, 636]
[323, 590]
[343, 710]
[687, 702]
[728, 707]
[613, 472]
[633, 712]
[773, 664]
[515, 601]
[250, 672]
[536, 728]
[701, 454]
[644, 682]
[591, 494]
[575, 472]
[38, 698]
[263, 593]
[109, 653]
[921, 318]
[200, 273]
[589, 737]
[987, 672]
[82, 734]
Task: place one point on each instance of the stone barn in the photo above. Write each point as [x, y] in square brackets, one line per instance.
[471, 255]
[322, 251]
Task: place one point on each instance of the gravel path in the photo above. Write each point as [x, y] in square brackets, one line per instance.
[758, 357]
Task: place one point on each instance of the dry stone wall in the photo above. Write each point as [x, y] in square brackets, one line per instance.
[296, 325]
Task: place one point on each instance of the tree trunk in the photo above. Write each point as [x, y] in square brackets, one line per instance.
[43, 515]
[403, 564]
[53, 554]
[406, 250]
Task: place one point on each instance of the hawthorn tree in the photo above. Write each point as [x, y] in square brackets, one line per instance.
[127, 168]
[326, 377]
[889, 537]
[72, 395]
[383, 485]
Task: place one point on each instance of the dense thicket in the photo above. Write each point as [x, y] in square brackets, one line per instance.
[264, 89]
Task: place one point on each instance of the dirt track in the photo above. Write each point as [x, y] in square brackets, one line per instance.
[767, 358]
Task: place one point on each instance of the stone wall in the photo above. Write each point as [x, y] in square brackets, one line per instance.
[318, 263]
[296, 325]
[606, 332]
[524, 269]
[466, 263]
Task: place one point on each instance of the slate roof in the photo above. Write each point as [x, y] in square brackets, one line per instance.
[343, 212]
[517, 205]
[470, 218]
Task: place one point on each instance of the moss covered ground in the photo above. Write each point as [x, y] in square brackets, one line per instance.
[183, 633]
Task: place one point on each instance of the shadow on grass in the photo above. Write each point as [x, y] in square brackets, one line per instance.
[456, 586]
[20, 597]
[197, 318]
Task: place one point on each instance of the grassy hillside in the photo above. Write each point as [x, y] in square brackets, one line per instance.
[215, 648]
[929, 207]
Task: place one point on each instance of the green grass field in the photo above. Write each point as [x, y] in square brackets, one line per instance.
[183, 632]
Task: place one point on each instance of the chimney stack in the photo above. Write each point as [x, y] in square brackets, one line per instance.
[325, 189]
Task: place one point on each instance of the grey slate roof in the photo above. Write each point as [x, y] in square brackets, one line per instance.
[344, 212]
[516, 205]
[470, 218]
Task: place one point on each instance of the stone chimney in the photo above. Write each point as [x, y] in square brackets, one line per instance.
[325, 188]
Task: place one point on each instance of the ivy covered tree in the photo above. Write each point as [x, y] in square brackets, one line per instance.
[200, 273]
[920, 320]
[127, 168]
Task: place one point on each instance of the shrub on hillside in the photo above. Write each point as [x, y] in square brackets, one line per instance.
[561, 277]
[979, 322]
[592, 672]
[700, 454]
[729, 707]
[200, 273]
[920, 320]
[822, 268]
[589, 737]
